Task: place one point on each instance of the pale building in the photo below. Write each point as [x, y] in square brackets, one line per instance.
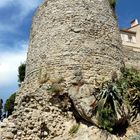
[131, 44]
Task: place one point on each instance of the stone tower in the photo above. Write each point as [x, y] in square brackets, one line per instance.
[74, 40]
[71, 35]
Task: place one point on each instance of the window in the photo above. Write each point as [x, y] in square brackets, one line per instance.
[130, 38]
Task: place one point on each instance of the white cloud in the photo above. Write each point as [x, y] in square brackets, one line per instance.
[4, 3]
[24, 3]
[25, 7]
[11, 59]
[9, 62]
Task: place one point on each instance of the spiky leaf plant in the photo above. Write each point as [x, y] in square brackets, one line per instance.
[119, 100]
[109, 106]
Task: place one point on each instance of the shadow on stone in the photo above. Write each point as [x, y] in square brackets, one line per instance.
[120, 128]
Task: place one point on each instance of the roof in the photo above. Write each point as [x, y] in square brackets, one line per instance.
[133, 26]
[127, 31]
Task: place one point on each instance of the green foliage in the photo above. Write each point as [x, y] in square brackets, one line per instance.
[1, 107]
[112, 3]
[74, 129]
[110, 92]
[130, 79]
[129, 84]
[1, 103]
[108, 105]
[113, 95]
[106, 119]
[9, 105]
[113, 7]
[56, 88]
[21, 72]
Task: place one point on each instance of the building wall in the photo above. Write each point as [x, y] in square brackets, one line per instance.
[129, 38]
[132, 57]
[131, 49]
[137, 30]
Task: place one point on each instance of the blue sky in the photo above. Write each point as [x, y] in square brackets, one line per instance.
[15, 23]
[127, 10]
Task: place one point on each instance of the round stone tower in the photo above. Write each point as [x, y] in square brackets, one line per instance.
[79, 41]
[74, 35]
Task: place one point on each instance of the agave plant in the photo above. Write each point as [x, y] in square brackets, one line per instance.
[110, 109]
[119, 101]
[110, 94]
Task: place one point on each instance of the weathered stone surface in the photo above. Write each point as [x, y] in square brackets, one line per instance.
[131, 58]
[73, 43]
[93, 133]
[83, 99]
[46, 121]
[8, 135]
[73, 34]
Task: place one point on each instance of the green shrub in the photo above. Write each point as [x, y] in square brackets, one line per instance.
[1, 108]
[56, 88]
[56, 85]
[21, 72]
[123, 91]
[130, 79]
[107, 119]
[129, 84]
[9, 105]
[74, 129]
[112, 3]
[108, 106]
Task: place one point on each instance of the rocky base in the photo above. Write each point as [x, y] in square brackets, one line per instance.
[36, 118]
[43, 115]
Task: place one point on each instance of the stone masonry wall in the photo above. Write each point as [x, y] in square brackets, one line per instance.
[71, 35]
[132, 58]
[77, 40]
